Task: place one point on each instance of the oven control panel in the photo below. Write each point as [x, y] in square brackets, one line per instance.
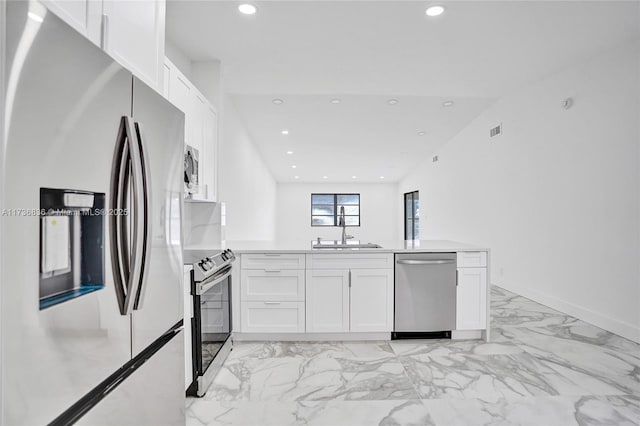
[208, 266]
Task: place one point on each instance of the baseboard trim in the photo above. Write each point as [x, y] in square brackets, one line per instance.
[621, 328]
[466, 334]
[308, 337]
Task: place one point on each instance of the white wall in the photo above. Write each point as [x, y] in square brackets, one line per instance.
[246, 184]
[378, 212]
[557, 196]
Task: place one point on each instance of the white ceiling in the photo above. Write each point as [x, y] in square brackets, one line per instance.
[366, 52]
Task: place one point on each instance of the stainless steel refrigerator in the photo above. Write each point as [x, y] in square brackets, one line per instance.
[91, 259]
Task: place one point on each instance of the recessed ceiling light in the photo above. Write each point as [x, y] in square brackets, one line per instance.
[435, 10]
[278, 101]
[447, 103]
[335, 101]
[392, 101]
[296, 177]
[285, 132]
[247, 9]
[325, 177]
[294, 166]
[354, 177]
[422, 133]
[381, 177]
[289, 152]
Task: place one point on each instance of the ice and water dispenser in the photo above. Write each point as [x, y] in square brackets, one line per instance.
[72, 252]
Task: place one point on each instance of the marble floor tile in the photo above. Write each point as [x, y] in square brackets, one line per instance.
[309, 413]
[461, 375]
[310, 379]
[478, 347]
[536, 411]
[528, 316]
[541, 368]
[619, 369]
[346, 350]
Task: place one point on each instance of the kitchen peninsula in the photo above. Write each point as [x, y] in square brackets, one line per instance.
[293, 291]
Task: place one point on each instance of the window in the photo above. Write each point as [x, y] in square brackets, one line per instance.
[411, 216]
[325, 209]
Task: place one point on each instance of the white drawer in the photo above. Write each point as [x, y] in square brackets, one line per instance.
[272, 261]
[472, 259]
[272, 317]
[273, 285]
[350, 261]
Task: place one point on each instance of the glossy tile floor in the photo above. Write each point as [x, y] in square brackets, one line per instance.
[542, 368]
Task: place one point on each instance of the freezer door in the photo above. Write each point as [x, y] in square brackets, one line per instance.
[65, 102]
[152, 396]
[160, 127]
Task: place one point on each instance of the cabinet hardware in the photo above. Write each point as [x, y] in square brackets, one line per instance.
[273, 270]
[456, 278]
[349, 278]
[271, 303]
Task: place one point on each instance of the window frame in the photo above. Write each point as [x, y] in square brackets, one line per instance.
[336, 213]
[413, 212]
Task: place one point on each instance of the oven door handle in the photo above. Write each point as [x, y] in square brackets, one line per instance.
[204, 286]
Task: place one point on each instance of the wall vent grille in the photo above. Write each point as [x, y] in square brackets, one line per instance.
[496, 131]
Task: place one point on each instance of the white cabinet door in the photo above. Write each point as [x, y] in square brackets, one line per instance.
[210, 152]
[371, 300]
[85, 16]
[327, 300]
[179, 90]
[168, 75]
[195, 138]
[134, 36]
[471, 304]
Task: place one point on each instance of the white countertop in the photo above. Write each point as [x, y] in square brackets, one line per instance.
[387, 247]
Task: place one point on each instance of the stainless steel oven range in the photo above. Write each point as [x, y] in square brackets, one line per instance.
[211, 322]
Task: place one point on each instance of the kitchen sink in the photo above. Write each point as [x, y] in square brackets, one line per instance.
[339, 245]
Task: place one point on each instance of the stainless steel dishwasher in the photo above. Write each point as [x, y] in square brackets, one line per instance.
[425, 295]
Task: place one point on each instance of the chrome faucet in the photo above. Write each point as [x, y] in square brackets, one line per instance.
[343, 223]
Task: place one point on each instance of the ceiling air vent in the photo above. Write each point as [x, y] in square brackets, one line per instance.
[495, 131]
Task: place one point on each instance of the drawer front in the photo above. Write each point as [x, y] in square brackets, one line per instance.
[278, 285]
[273, 317]
[350, 261]
[472, 259]
[273, 261]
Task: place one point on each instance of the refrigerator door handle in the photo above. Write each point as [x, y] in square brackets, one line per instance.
[125, 251]
[144, 201]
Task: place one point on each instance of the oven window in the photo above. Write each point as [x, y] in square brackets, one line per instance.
[215, 325]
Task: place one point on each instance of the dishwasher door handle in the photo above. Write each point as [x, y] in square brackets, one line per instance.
[424, 262]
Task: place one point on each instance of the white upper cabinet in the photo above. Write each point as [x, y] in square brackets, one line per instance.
[201, 128]
[210, 152]
[83, 15]
[133, 34]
